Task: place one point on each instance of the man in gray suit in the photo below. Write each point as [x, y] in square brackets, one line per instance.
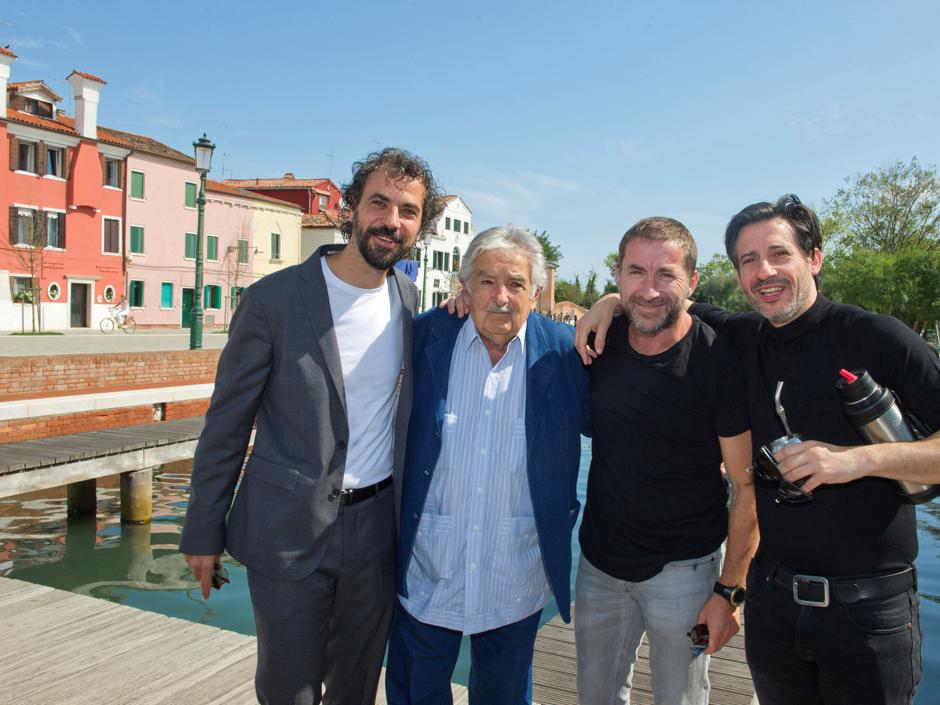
[319, 357]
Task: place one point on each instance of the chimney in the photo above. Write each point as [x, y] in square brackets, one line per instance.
[86, 88]
[7, 58]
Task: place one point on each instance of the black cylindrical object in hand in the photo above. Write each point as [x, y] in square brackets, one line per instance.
[873, 410]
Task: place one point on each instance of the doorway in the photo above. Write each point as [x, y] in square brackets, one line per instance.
[187, 308]
[79, 296]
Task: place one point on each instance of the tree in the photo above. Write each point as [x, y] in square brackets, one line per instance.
[27, 241]
[551, 251]
[718, 285]
[590, 290]
[569, 290]
[887, 210]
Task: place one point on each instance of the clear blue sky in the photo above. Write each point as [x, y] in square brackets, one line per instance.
[577, 118]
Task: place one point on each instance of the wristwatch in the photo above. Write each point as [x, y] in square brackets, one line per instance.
[734, 594]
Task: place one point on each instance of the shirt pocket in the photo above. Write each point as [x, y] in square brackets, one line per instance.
[433, 551]
[517, 561]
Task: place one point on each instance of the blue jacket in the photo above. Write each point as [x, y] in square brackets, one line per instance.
[557, 411]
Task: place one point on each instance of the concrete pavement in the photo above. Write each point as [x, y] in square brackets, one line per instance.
[85, 341]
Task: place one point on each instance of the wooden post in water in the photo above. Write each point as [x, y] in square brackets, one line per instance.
[80, 497]
[136, 496]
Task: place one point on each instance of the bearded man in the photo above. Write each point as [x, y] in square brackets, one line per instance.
[319, 357]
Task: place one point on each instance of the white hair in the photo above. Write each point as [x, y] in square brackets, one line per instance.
[510, 238]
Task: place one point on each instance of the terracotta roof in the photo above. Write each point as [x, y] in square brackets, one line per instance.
[220, 187]
[286, 181]
[27, 85]
[89, 76]
[320, 220]
[147, 145]
[63, 124]
[7, 52]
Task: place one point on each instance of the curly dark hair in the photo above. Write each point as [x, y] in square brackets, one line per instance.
[397, 163]
[788, 208]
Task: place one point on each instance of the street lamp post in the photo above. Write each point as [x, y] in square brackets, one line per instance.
[203, 163]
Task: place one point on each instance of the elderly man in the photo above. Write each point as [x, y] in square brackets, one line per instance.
[319, 357]
[489, 497]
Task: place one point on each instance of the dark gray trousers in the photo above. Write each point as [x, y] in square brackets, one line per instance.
[330, 629]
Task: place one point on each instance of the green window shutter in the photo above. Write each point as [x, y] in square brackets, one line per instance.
[137, 184]
[166, 295]
[137, 240]
[243, 251]
[137, 294]
[190, 195]
[212, 247]
[190, 252]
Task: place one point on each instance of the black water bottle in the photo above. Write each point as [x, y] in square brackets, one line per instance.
[873, 410]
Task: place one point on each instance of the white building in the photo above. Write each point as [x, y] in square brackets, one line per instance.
[441, 254]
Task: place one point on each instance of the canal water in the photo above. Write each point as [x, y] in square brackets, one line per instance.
[140, 566]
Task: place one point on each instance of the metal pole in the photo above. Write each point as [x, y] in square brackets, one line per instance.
[424, 282]
[195, 330]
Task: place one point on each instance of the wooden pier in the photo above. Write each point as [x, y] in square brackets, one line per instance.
[554, 670]
[59, 647]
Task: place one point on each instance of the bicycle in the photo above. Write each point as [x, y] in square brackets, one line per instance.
[111, 322]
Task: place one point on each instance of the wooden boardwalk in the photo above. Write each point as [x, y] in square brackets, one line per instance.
[28, 466]
[553, 670]
[59, 648]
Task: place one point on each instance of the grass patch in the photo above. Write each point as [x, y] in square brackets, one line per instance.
[44, 332]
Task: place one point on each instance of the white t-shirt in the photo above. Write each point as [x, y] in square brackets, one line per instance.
[367, 323]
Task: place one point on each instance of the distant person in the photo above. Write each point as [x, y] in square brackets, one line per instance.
[489, 497]
[122, 310]
[667, 406]
[319, 358]
[832, 607]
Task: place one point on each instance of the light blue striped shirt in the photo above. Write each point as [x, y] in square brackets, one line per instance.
[476, 562]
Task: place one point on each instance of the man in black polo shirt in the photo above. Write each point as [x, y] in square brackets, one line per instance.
[855, 635]
[667, 404]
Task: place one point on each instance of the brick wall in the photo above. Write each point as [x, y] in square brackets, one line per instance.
[64, 424]
[57, 375]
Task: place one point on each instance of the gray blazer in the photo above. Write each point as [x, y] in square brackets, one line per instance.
[281, 370]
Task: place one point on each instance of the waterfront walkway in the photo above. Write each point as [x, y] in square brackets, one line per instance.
[59, 647]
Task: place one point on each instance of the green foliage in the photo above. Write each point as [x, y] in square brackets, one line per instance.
[886, 210]
[591, 294]
[904, 284]
[551, 251]
[569, 290]
[718, 285]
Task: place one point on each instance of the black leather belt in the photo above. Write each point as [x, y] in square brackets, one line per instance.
[357, 494]
[819, 591]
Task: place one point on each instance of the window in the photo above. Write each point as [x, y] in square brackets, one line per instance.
[235, 295]
[446, 223]
[23, 224]
[112, 172]
[456, 259]
[212, 296]
[190, 197]
[243, 251]
[456, 225]
[111, 236]
[135, 295]
[137, 240]
[212, 247]
[324, 202]
[466, 228]
[441, 260]
[55, 230]
[275, 246]
[437, 298]
[21, 288]
[189, 249]
[55, 161]
[166, 295]
[26, 157]
[137, 184]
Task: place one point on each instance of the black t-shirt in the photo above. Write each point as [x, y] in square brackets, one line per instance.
[655, 492]
[849, 529]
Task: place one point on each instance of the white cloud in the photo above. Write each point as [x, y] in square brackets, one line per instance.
[32, 63]
[75, 36]
[829, 120]
[153, 107]
[513, 196]
[632, 150]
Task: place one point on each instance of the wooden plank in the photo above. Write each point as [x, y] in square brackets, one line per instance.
[554, 670]
[59, 647]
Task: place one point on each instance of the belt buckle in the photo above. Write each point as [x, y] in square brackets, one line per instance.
[346, 496]
[811, 590]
